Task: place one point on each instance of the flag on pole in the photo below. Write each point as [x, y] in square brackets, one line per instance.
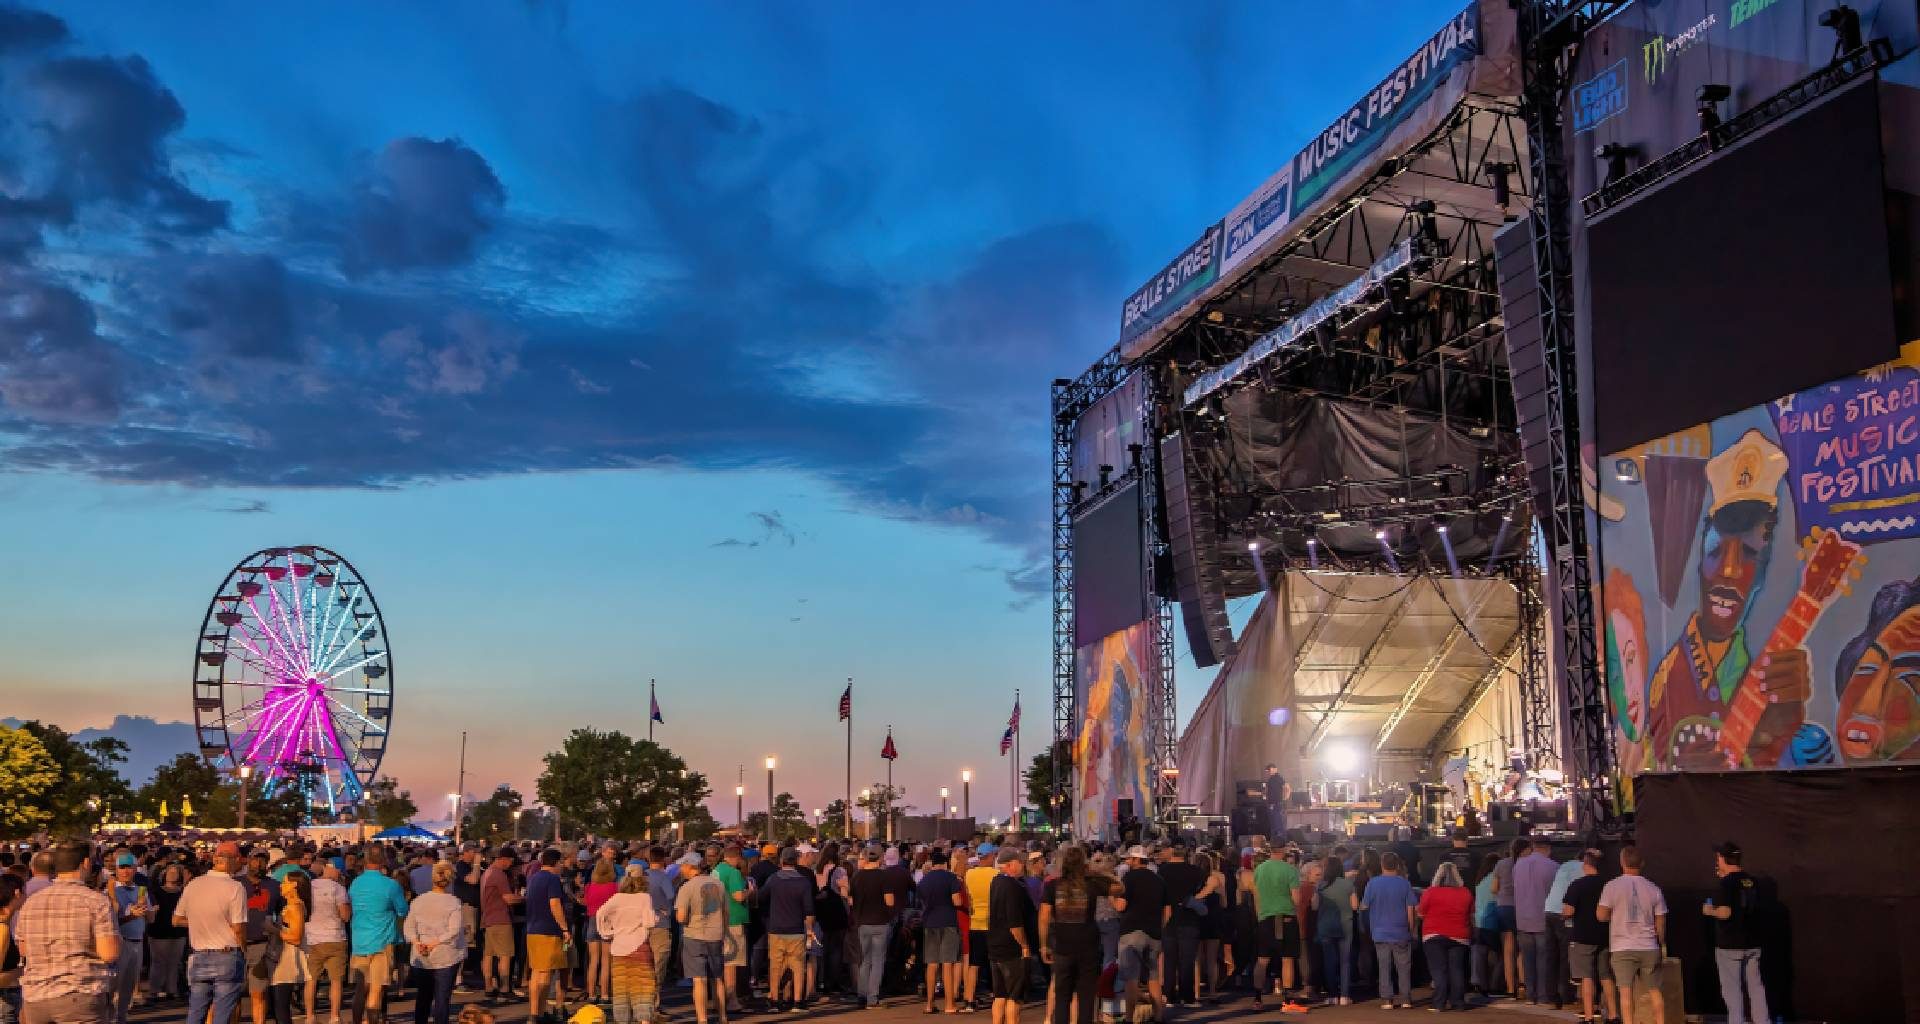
[1014, 722]
[846, 702]
[654, 713]
[888, 751]
[1006, 741]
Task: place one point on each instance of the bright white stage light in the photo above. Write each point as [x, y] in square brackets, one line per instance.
[1342, 759]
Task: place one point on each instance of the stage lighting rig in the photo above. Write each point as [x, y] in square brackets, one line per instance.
[1106, 475]
[1502, 173]
[1709, 97]
[1845, 23]
[1615, 156]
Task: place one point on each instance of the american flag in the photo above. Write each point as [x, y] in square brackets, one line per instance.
[888, 751]
[655, 712]
[1014, 722]
[846, 702]
[1006, 741]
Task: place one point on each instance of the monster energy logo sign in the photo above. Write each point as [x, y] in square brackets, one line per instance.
[1744, 10]
[1657, 53]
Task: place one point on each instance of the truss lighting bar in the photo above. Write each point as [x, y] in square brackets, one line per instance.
[1350, 294]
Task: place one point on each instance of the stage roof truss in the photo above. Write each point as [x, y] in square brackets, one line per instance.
[1345, 693]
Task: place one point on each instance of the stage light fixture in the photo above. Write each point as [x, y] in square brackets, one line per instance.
[1441, 528]
[1342, 758]
[1379, 535]
[1708, 97]
[1845, 23]
[1312, 542]
[1616, 156]
[1106, 475]
[1501, 174]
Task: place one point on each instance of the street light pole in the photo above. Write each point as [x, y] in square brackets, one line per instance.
[516, 824]
[740, 808]
[246, 772]
[966, 792]
[945, 808]
[769, 798]
[866, 798]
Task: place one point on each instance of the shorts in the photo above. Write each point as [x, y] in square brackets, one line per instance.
[1009, 979]
[1631, 965]
[377, 967]
[328, 958]
[590, 931]
[737, 948]
[546, 953]
[500, 941]
[1279, 937]
[941, 946]
[1509, 919]
[977, 950]
[1139, 958]
[255, 952]
[702, 958]
[1589, 963]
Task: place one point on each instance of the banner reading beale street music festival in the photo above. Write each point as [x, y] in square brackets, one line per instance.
[1406, 105]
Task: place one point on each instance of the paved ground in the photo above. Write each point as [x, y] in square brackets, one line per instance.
[907, 1011]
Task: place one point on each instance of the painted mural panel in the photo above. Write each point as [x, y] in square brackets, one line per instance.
[1760, 584]
[1112, 752]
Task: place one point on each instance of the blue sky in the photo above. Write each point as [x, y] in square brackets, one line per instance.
[531, 310]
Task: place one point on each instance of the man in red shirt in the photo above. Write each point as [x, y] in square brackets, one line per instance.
[496, 920]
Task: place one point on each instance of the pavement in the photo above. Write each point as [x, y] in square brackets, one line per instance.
[903, 1010]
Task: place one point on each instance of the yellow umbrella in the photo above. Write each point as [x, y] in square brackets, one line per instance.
[163, 810]
[186, 807]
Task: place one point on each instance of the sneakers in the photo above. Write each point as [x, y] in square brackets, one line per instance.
[1292, 1007]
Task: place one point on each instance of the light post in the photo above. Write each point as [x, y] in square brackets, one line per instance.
[945, 808]
[740, 808]
[819, 819]
[516, 824]
[966, 792]
[866, 798]
[769, 797]
[246, 772]
[453, 801]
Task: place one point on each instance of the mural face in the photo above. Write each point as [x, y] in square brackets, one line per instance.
[1111, 748]
[1799, 523]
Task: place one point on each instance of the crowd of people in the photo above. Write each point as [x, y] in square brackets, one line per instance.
[1105, 933]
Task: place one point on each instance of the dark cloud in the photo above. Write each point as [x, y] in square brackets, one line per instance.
[426, 203]
[236, 306]
[94, 129]
[54, 367]
[22, 30]
[250, 508]
[773, 532]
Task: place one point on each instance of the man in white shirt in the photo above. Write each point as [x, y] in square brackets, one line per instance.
[213, 909]
[1636, 916]
[326, 939]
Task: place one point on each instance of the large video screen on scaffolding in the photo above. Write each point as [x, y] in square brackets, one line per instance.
[1116, 698]
[1109, 566]
[1757, 272]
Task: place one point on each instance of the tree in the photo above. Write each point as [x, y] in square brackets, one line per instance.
[1040, 782]
[834, 824]
[27, 772]
[90, 785]
[883, 801]
[188, 777]
[493, 817]
[789, 821]
[699, 824]
[387, 804]
[616, 786]
[285, 810]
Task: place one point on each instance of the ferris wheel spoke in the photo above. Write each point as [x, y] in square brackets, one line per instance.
[371, 725]
[278, 666]
[280, 611]
[272, 638]
[372, 620]
[299, 615]
[375, 656]
[346, 612]
[277, 717]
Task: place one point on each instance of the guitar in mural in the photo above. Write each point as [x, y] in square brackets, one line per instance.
[1832, 564]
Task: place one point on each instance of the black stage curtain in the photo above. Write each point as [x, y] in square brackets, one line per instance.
[1834, 849]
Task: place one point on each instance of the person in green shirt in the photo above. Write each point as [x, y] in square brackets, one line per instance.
[1274, 882]
[734, 880]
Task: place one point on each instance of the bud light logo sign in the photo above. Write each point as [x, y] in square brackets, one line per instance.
[1600, 97]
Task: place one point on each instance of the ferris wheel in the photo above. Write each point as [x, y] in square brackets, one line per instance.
[293, 676]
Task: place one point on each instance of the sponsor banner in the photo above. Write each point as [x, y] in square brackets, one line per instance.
[1853, 454]
[1600, 98]
[1346, 143]
[1293, 330]
[1257, 220]
[1182, 280]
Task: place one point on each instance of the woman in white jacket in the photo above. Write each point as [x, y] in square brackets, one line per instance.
[624, 921]
[438, 931]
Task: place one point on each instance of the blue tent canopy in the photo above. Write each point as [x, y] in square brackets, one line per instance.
[409, 831]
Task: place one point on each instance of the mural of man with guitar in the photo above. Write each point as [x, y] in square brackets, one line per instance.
[1713, 701]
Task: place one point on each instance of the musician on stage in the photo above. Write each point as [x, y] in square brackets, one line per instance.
[1278, 792]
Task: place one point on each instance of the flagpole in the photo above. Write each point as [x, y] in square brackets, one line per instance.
[653, 701]
[846, 809]
[1013, 767]
[889, 800]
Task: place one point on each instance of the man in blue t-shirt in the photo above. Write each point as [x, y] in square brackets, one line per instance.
[378, 905]
[547, 933]
[940, 894]
[1389, 904]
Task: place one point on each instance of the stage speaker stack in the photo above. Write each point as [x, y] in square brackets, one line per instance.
[1196, 578]
[1526, 353]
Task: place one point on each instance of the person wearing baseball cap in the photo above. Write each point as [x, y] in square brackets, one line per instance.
[1736, 947]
